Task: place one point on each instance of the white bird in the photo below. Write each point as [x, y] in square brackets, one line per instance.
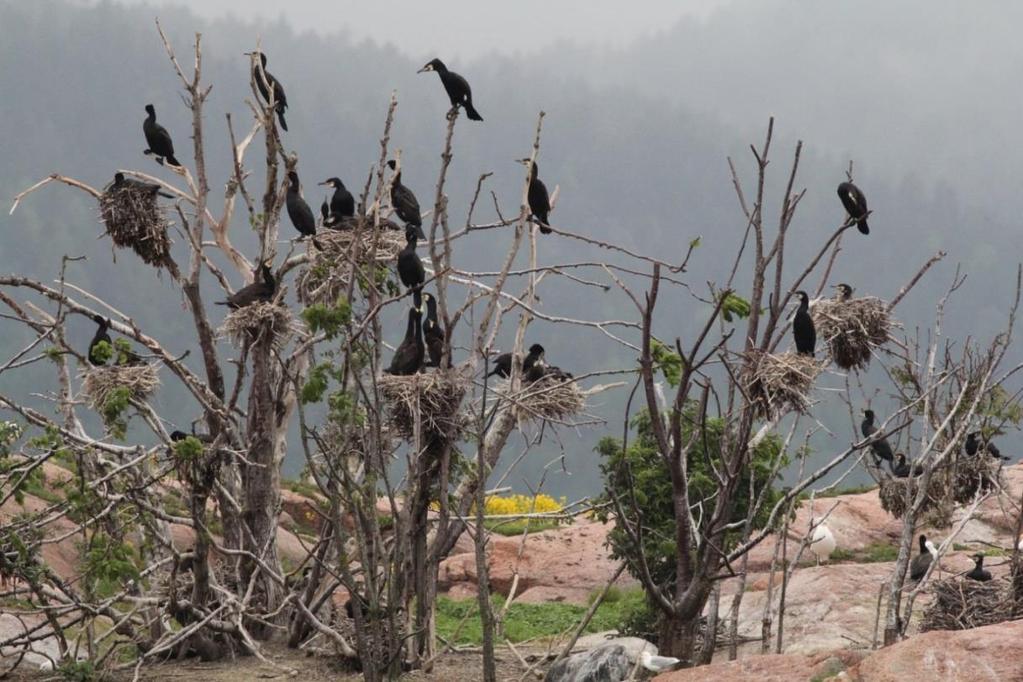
[822, 542]
[656, 664]
[46, 666]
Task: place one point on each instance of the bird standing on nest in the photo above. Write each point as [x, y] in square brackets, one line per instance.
[159, 140]
[262, 290]
[901, 469]
[502, 364]
[102, 334]
[973, 445]
[922, 561]
[410, 267]
[844, 292]
[433, 334]
[408, 357]
[280, 99]
[405, 204]
[802, 327]
[855, 205]
[121, 182]
[298, 210]
[880, 446]
[539, 200]
[979, 573]
[457, 88]
[342, 203]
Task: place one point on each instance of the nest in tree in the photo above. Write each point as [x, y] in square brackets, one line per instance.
[254, 322]
[973, 475]
[960, 604]
[134, 220]
[897, 494]
[852, 328]
[430, 399]
[329, 272]
[780, 383]
[99, 383]
[550, 397]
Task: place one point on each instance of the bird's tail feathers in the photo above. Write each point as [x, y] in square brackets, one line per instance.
[863, 227]
[471, 112]
[172, 161]
[280, 117]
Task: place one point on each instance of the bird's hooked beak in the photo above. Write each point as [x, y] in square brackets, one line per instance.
[428, 67]
[325, 182]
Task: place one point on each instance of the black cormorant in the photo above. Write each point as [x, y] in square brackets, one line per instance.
[260, 290]
[408, 357]
[102, 334]
[922, 561]
[433, 334]
[979, 573]
[458, 88]
[845, 292]
[802, 327]
[901, 469]
[855, 205]
[298, 210]
[410, 267]
[880, 446]
[404, 202]
[280, 99]
[158, 139]
[129, 183]
[539, 200]
[342, 203]
[502, 364]
[557, 373]
[177, 436]
[325, 211]
[973, 445]
[534, 373]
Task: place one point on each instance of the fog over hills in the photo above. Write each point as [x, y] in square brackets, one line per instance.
[636, 136]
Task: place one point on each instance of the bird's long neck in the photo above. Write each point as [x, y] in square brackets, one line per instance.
[397, 179]
[151, 116]
[268, 278]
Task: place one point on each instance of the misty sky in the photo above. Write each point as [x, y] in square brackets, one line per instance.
[463, 28]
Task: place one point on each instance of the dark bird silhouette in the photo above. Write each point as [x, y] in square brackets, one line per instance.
[855, 205]
[433, 334]
[901, 469]
[298, 210]
[879, 446]
[502, 364]
[802, 327]
[557, 373]
[325, 211]
[539, 200]
[159, 140]
[408, 357]
[405, 204]
[979, 573]
[457, 88]
[974, 445]
[922, 561]
[410, 267]
[342, 203]
[121, 182]
[534, 373]
[102, 334]
[845, 292]
[261, 290]
[177, 436]
[280, 99]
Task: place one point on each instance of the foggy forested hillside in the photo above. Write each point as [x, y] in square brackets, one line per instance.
[637, 140]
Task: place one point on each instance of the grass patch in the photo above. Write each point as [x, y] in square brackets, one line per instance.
[529, 621]
[513, 527]
[854, 490]
[873, 553]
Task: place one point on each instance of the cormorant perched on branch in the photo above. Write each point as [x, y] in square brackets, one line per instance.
[979, 573]
[502, 364]
[159, 140]
[408, 358]
[880, 446]
[802, 327]
[342, 203]
[901, 469]
[404, 202]
[280, 99]
[855, 205]
[539, 200]
[433, 334]
[457, 87]
[845, 292]
[122, 182]
[973, 446]
[298, 210]
[102, 334]
[259, 291]
[410, 267]
[177, 436]
[922, 561]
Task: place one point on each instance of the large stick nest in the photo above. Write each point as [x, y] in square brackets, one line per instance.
[431, 399]
[133, 220]
[98, 383]
[551, 397]
[329, 272]
[897, 494]
[780, 383]
[253, 322]
[975, 474]
[851, 329]
[961, 604]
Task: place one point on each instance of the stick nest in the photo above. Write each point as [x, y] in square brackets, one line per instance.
[430, 398]
[897, 494]
[99, 383]
[851, 329]
[329, 272]
[134, 221]
[253, 322]
[780, 383]
[975, 474]
[961, 604]
[550, 398]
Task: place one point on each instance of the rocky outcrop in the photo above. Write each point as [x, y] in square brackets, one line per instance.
[769, 668]
[607, 663]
